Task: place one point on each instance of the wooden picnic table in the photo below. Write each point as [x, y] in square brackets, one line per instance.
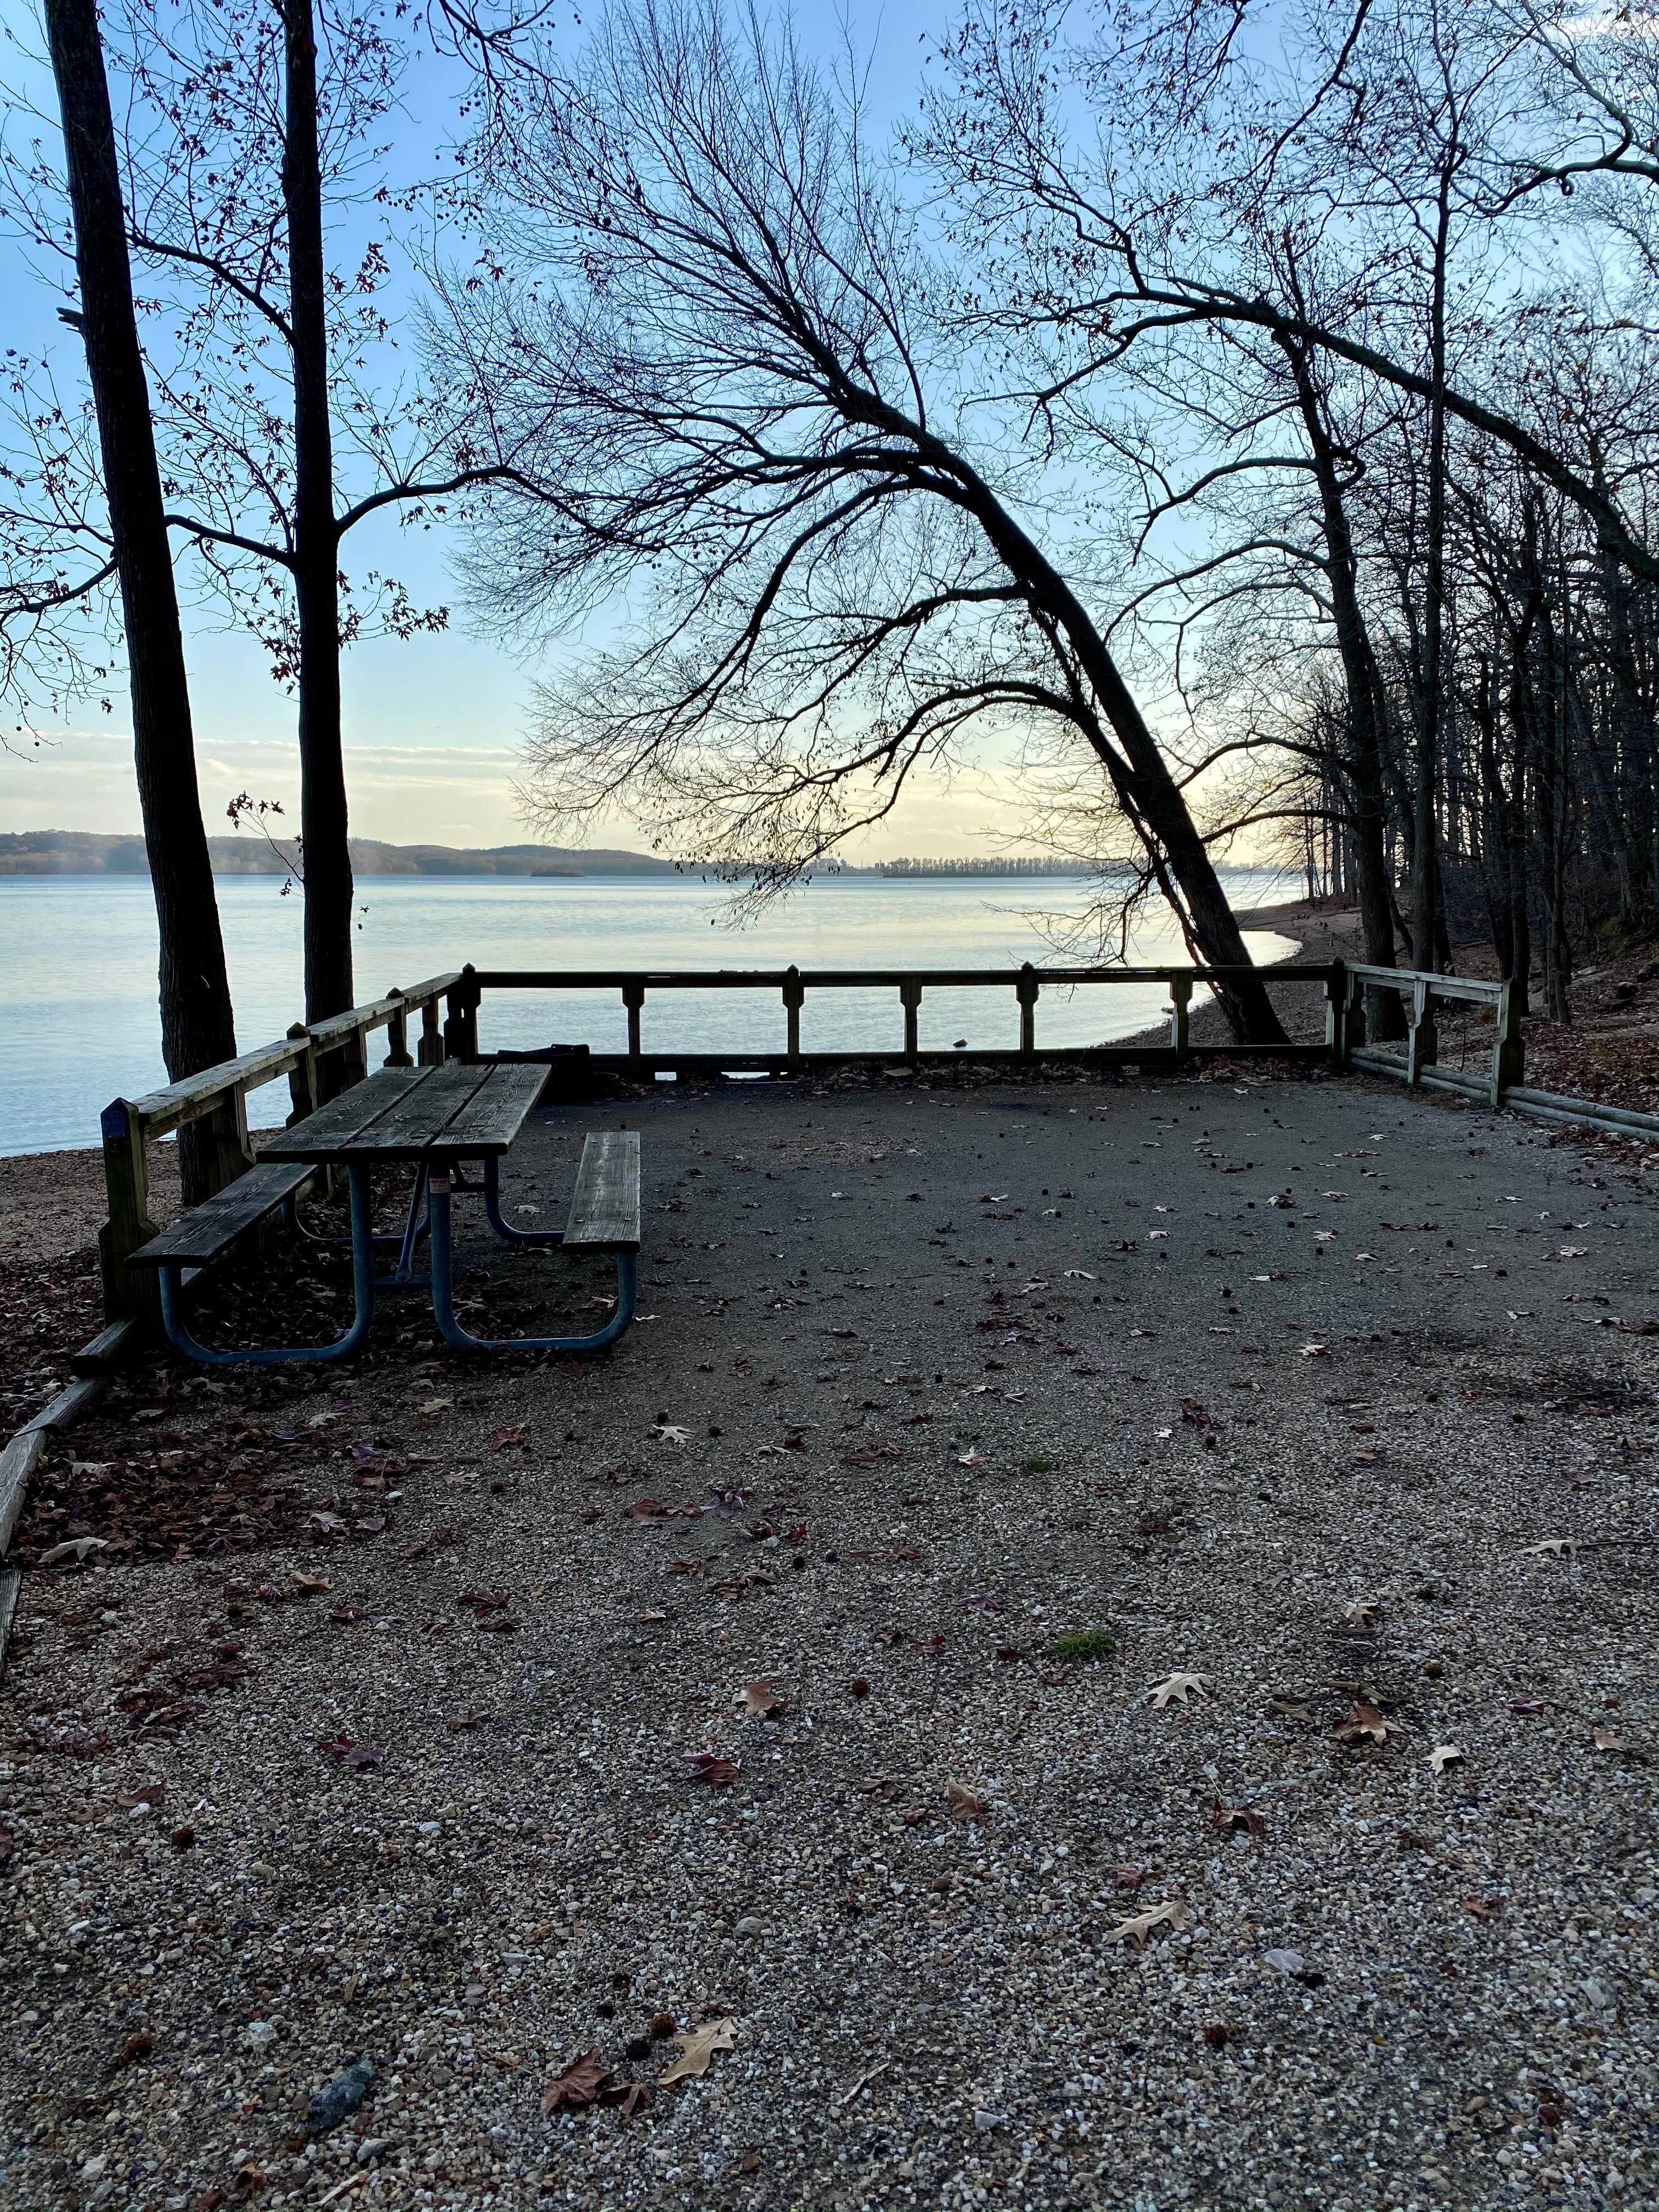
[438, 1120]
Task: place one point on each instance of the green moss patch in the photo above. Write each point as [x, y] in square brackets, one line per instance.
[1084, 1645]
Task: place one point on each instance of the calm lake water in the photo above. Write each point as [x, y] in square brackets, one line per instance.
[78, 1023]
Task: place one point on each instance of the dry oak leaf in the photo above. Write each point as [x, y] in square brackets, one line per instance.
[627, 2098]
[1364, 1721]
[347, 1753]
[503, 1439]
[698, 2047]
[1609, 1740]
[1362, 1612]
[578, 2084]
[668, 1432]
[759, 1700]
[1445, 1755]
[1178, 1684]
[965, 1804]
[76, 1548]
[1171, 1913]
[1239, 1816]
[713, 1768]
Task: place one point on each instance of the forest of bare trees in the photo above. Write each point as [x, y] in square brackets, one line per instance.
[1235, 417]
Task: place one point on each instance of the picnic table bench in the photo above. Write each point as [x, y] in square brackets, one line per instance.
[438, 1119]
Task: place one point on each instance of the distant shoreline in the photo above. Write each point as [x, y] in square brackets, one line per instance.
[65, 854]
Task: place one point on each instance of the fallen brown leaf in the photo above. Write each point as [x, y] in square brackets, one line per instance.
[1239, 1816]
[759, 1700]
[1171, 1913]
[580, 2084]
[965, 1803]
[1364, 1721]
[697, 2047]
[713, 1768]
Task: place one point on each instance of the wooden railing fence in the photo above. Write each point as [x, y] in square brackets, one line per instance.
[318, 1062]
[324, 1059]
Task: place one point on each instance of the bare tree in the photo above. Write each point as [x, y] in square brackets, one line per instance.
[197, 1027]
[285, 416]
[730, 386]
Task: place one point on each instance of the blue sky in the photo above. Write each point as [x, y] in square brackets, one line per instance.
[433, 725]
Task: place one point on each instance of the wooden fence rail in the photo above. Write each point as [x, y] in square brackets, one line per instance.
[1026, 985]
[318, 1062]
[322, 1059]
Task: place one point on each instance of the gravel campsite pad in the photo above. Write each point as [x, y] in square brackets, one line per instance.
[1092, 1647]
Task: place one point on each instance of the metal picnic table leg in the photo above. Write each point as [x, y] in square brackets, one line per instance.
[443, 1293]
[418, 1225]
[291, 1216]
[362, 1284]
[492, 1195]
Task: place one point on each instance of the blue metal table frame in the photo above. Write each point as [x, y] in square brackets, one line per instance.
[438, 1119]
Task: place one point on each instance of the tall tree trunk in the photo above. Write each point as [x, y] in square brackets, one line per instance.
[322, 816]
[198, 1025]
[1384, 1015]
[1426, 931]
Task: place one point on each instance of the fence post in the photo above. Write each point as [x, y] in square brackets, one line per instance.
[397, 1053]
[1026, 989]
[794, 997]
[1336, 1014]
[634, 999]
[1422, 1045]
[1180, 1001]
[910, 1000]
[461, 1029]
[1509, 1064]
[431, 1047]
[231, 1153]
[126, 1180]
[301, 1079]
[354, 1058]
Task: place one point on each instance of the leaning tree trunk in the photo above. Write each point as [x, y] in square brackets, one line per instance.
[1138, 771]
[197, 1024]
[322, 815]
[1141, 775]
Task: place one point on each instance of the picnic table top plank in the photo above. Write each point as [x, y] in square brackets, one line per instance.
[408, 1128]
[201, 1233]
[329, 1133]
[490, 1120]
[604, 1207]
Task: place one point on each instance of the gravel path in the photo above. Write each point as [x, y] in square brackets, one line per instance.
[1288, 1389]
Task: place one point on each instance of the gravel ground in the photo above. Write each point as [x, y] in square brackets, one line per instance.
[1282, 1386]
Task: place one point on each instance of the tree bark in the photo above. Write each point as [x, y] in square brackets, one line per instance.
[1139, 774]
[1426, 919]
[323, 811]
[197, 1024]
[1385, 1017]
